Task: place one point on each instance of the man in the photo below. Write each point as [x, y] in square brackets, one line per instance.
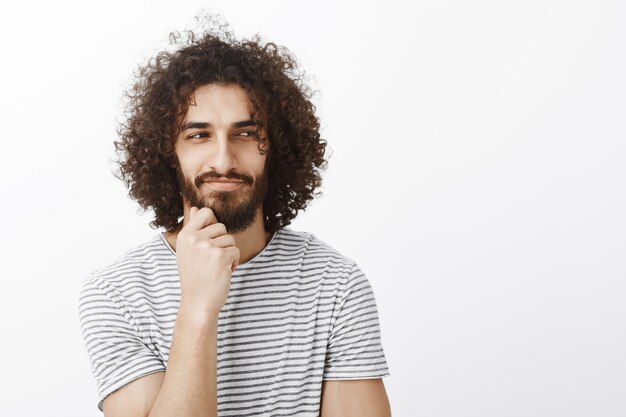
[229, 311]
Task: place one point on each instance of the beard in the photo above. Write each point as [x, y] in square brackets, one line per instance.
[237, 208]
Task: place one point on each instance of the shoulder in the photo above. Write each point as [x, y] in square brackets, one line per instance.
[138, 263]
[301, 239]
[314, 249]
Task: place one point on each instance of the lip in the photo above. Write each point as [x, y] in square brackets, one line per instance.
[223, 185]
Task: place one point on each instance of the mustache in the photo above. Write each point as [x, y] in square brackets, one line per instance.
[232, 176]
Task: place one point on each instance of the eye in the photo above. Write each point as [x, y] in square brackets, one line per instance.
[198, 135]
[247, 133]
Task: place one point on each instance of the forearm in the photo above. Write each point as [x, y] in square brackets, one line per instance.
[190, 384]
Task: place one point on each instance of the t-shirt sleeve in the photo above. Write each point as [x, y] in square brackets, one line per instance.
[355, 348]
[116, 350]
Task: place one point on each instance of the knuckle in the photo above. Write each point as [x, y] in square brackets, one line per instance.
[220, 228]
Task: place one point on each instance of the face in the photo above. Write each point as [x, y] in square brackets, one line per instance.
[219, 163]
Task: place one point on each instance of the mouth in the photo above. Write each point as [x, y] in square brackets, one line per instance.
[223, 185]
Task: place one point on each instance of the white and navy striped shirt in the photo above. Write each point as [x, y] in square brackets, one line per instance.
[297, 313]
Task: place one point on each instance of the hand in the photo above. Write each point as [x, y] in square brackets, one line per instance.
[206, 256]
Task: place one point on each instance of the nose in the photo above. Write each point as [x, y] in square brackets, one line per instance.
[223, 158]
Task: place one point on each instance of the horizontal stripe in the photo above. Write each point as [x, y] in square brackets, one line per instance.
[297, 313]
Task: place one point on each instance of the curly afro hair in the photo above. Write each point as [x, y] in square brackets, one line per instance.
[159, 99]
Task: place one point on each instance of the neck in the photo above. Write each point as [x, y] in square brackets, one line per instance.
[250, 242]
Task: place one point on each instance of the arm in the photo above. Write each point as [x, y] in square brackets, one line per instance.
[355, 362]
[205, 256]
[188, 387]
[355, 398]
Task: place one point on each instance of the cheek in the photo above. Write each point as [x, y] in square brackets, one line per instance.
[191, 159]
[262, 165]
[253, 161]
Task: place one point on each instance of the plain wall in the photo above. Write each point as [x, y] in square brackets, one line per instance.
[477, 177]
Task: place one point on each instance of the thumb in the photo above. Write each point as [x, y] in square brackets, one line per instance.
[192, 211]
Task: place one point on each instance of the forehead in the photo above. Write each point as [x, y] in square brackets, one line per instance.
[215, 103]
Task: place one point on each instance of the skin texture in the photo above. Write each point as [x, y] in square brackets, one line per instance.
[218, 128]
[223, 150]
[356, 398]
[206, 254]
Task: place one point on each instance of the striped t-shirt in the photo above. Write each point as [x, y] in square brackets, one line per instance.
[297, 313]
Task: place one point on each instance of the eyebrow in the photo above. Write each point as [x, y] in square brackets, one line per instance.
[205, 125]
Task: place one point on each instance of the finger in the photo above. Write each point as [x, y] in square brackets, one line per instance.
[233, 256]
[202, 218]
[192, 211]
[224, 241]
[213, 230]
